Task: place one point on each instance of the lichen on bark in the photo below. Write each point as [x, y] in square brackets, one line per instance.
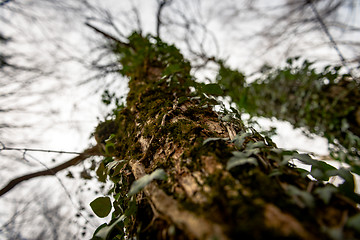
[164, 125]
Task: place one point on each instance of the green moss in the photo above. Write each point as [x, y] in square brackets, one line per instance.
[104, 130]
[235, 197]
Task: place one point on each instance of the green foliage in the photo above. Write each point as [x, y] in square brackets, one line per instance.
[240, 159]
[119, 224]
[319, 169]
[322, 171]
[150, 104]
[115, 135]
[212, 89]
[109, 99]
[100, 172]
[354, 222]
[101, 206]
[214, 139]
[148, 50]
[110, 145]
[104, 231]
[244, 156]
[139, 184]
[249, 153]
[325, 103]
[121, 219]
[326, 192]
[305, 197]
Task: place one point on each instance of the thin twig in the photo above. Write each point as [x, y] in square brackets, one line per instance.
[93, 151]
[4, 148]
[49, 171]
[331, 39]
[161, 6]
[63, 186]
[107, 35]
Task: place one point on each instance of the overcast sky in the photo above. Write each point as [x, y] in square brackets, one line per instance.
[65, 112]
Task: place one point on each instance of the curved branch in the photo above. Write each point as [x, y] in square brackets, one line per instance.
[330, 37]
[93, 151]
[161, 6]
[106, 35]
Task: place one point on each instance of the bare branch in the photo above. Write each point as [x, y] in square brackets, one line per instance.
[161, 6]
[4, 148]
[138, 19]
[93, 151]
[328, 34]
[106, 35]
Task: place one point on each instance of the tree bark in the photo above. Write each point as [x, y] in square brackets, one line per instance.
[164, 126]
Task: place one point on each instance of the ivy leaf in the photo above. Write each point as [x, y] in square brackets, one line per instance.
[237, 161]
[110, 138]
[355, 169]
[325, 193]
[319, 169]
[275, 172]
[305, 196]
[116, 166]
[104, 232]
[101, 206]
[305, 158]
[139, 184]
[285, 160]
[289, 61]
[109, 148]
[318, 174]
[172, 69]
[354, 222]
[240, 139]
[212, 89]
[259, 144]
[213, 139]
[101, 173]
[132, 208]
[347, 188]
[325, 167]
[349, 184]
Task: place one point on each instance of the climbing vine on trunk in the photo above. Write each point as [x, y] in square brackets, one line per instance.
[180, 170]
[325, 102]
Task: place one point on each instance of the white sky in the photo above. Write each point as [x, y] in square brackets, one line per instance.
[78, 107]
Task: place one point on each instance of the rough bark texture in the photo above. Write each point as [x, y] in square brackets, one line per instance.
[162, 126]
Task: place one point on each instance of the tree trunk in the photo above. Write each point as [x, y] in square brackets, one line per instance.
[232, 186]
